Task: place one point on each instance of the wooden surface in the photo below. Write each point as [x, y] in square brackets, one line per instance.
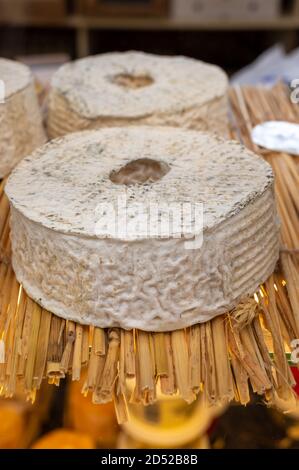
[36, 9]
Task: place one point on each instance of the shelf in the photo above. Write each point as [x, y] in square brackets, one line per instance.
[282, 23]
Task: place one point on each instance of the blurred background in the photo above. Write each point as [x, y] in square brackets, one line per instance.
[255, 41]
[230, 33]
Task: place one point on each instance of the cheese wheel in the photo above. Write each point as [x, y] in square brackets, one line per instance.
[20, 119]
[134, 88]
[142, 227]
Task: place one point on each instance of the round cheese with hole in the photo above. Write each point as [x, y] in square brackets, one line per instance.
[142, 227]
[134, 88]
[64, 438]
[21, 127]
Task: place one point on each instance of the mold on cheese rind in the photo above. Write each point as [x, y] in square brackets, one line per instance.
[20, 119]
[180, 91]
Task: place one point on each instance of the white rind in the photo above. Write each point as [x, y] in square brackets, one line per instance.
[150, 283]
[185, 93]
[20, 119]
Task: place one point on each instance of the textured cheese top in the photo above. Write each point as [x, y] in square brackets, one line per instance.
[62, 184]
[97, 86]
[16, 76]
